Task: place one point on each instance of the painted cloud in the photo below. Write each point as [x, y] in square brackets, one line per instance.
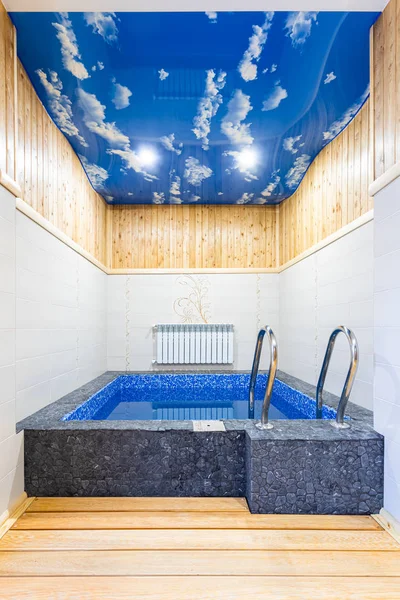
[199, 107]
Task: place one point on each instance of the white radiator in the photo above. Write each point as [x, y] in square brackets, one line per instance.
[194, 344]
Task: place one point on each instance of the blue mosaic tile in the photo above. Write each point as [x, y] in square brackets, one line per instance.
[187, 390]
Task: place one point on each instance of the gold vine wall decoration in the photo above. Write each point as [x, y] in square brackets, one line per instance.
[195, 306]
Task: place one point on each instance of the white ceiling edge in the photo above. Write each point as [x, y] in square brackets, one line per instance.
[194, 6]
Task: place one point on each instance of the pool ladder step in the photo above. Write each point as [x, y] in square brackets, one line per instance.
[273, 347]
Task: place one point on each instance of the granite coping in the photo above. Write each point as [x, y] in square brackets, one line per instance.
[49, 418]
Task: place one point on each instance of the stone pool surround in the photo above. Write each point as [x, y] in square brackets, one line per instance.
[300, 466]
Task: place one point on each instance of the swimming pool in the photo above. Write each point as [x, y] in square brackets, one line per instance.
[192, 397]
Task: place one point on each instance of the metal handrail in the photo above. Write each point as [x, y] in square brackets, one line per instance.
[351, 374]
[264, 424]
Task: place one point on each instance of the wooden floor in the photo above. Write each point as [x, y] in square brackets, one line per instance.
[191, 548]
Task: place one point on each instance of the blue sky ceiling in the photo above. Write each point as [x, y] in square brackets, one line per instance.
[207, 108]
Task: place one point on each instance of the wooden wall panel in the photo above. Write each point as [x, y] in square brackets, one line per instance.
[193, 237]
[385, 84]
[333, 193]
[7, 95]
[51, 176]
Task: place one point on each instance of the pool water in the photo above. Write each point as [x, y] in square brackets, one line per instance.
[192, 397]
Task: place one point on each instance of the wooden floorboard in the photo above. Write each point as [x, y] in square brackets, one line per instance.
[287, 563]
[197, 539]
[191, 549]
[138, 504]
[188, 520]
[200, 588]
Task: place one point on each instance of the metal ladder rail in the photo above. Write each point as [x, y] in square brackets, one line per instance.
[264, 423]
[351, 374]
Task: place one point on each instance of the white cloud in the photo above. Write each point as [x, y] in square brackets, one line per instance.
[248, 175]
[103, 23]
[131, 161]
[273, 184]
[238, 108]
[194, 198]
[345, 119]
[275, 98]
[208, 106]
[295, 174]
[158, 198]
[291, 144]
[69, 48]
[212, 15]
[94, 119]
[168, 143]
[163, 74]
[121, 95]
[60, 105]
[99, 66]
[329, 77]
[245, 198]
[96, 174]
[247, 66]
[194, 172]
[274, 68]
[175, 188]
[298, 25]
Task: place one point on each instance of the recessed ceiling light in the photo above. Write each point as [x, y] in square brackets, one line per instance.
[147, 157]
[247, 158]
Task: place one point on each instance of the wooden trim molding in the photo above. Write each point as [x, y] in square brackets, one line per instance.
[202, 271]
[32, 214]
[385, 179]
[9, 183]
[8, 517]
[365, 218]
[388, 522]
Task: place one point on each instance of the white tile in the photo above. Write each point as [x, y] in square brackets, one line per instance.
[7, 238]
[32, 371]
[387, 419]
[116, 363]
[63, 384]
[386, 235]
[386, 308]
[33, 399]
[7, 310]
[7, 274]
[392, 497]
[387, 202]
[387, 382]
[7, 383]
[387, 346]
[7, 206]
[7, 419]
[387, 271]
[11, 454]
[11, 487]
[7, 347]
[62, 362]
[392, 460]
[37, 342]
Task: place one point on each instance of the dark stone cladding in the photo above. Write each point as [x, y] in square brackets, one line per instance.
[300, 466]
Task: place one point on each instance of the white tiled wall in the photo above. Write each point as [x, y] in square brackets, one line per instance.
[387, 336]
[11, 445]
[137, 302]
[60, 318]
[331, 287]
